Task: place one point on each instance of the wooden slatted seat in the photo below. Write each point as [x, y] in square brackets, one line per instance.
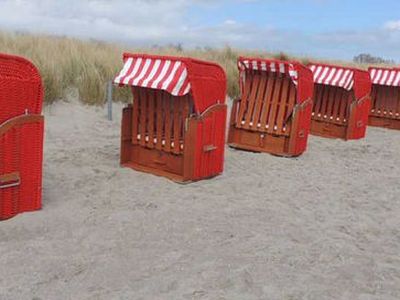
[175, 126]
[273, 114]
[341, 102]
[21, 136]
[385, 98]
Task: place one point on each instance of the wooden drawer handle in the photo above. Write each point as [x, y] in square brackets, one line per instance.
[10, 180]
[209, 148]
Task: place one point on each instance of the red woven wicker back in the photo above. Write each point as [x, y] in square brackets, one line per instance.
[21, 136]
[20, 87]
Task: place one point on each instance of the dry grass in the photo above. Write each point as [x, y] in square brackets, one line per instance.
[86, 66]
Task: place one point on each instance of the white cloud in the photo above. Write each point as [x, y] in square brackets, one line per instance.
[148, 22]
[392, 25]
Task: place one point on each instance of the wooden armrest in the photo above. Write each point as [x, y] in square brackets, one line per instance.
[212, 109]
[10, 180]
[23, 119]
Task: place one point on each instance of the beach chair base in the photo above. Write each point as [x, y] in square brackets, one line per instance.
[180, 167]
[328, 130]
[384, 122]
[260, 142]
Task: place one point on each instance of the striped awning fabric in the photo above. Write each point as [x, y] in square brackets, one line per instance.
[269, 66]
[162, 74]
[384, 76]
[334, 76]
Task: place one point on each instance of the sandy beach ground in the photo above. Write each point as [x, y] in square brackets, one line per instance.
[322, 226]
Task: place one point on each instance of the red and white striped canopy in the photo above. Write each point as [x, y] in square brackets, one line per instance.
[385, 76]
[334, 76]
[163, 74]
[269, 66]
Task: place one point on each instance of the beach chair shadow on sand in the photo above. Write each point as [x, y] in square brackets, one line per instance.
[175, 126]
[341, 102]
[385, 98]
[274, 112]
[21, 136]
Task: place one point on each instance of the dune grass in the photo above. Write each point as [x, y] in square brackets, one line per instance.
[86, 66]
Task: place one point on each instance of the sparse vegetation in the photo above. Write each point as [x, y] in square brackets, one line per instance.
[86, 66]
[369, 59]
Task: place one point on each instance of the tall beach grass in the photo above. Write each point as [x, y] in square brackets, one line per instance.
[86, 66]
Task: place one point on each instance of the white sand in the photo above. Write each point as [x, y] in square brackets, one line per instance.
[322, 226]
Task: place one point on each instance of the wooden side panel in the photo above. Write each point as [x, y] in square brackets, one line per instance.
[210, 142]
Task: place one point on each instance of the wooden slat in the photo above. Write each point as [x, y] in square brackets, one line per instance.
[275, 103]
[177, 124]
[325, 101]
[290, 107]
[185, 115]
[393, 102]
[168, 121]
[317, 91]
[283, 103]
[333, 101]
[376, 102]
[377, 94]
[151, 114]
[245, 98]
[386, 102]
[383, 100]
[272, 77]
[259, 102]
[320, 98]
[135, 115]
[143, 117]
[252, 100]
[374, 95]
[337, 104]
[391, 105]
[397, 113]
[160, 119]
[343, 112]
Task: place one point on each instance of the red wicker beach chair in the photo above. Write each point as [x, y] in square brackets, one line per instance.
[341, 102]
[176, 124]
[274, 112]
[21, 136]
[385, 98]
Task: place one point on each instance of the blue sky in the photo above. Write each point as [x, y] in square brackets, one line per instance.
[334, 29]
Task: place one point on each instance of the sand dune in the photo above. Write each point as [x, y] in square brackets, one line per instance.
[322, 226]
